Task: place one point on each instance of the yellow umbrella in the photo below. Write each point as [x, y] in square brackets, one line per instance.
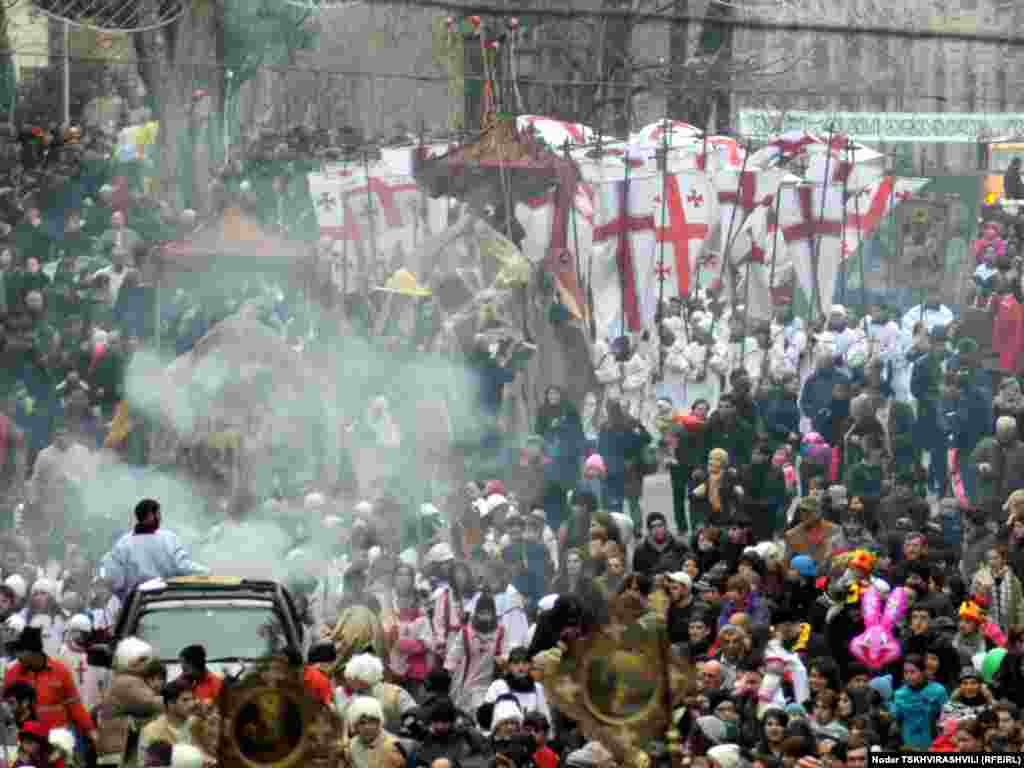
[404, 282]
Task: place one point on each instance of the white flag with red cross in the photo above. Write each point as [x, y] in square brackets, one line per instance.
[377, 204]
[824, 230]
[762, 256]
[537, 217]
[740, 193]
[782, 148]
[555, 133]
[852, 165]
[685, 210]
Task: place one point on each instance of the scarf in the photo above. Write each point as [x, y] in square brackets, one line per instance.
[715, 490]
[1001, 599]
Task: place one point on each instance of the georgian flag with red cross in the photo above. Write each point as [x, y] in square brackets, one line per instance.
[555, 133]
[812, 215]
[784, 147]
[760, 246]
[740, 193]
[854, 165]
[350, 197]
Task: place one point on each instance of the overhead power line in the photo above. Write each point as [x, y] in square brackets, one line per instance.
[626, 14]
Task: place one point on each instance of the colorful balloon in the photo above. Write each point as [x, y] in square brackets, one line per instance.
[877, 647]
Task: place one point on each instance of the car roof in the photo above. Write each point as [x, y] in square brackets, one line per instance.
[186, 584]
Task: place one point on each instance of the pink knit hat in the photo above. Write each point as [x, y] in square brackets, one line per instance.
[594, 465]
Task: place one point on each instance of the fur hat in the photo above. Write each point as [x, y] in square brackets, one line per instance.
[364, 706]
[366, 668]
[132, 653]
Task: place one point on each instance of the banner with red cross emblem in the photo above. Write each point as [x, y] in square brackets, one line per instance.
[820, 226]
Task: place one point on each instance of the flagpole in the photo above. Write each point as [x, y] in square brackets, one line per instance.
[624, 234]
[775, 237]
[659, 316]
[860, 244]
[846, 193]
[816, 249]
[728, 246]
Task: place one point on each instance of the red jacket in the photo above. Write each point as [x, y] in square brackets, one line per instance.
[318, 685]
[57, 701]
[207, 690]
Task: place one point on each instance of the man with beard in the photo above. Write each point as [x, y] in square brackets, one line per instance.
[680, 606]
[915, 554]
[732, 640]
[660, 550]
[518, 682]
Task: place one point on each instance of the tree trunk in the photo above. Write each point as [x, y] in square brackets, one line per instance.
[175, 63]
[617, 47]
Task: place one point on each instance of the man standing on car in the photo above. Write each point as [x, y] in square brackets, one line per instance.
[147, 552]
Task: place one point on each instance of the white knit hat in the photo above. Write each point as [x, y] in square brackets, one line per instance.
[364, 706]
[17, 584]
[79, 623]
[547, 602]
[48, 586]
[366, 668]
[680, 577]
[64, 740]
[186, 756]
[494, 501]
[15, 623]
[725, 755]
[440, 553]
[506, 709]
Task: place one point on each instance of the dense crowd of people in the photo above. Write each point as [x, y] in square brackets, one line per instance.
[840, 560]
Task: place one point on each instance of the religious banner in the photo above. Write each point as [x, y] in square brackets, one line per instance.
[938, 127]
[823, 233]
[685, 213]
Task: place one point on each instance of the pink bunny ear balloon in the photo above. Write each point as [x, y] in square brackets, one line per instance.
[876, 647]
